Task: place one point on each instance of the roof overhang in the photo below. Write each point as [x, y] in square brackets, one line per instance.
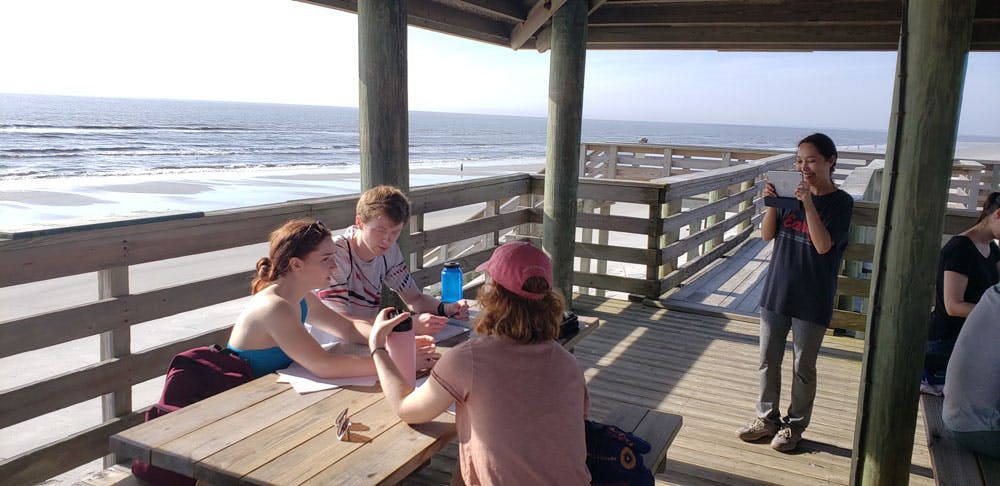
[742, 25]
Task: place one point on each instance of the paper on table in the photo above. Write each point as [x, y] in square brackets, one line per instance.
[451, 330]
[304, 381]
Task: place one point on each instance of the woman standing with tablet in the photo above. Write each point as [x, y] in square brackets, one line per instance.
[798, 290]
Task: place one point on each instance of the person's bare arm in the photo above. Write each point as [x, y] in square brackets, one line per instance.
[818, 233]
[954, 294]
[350, 329]
[413, 406]
[285, 328]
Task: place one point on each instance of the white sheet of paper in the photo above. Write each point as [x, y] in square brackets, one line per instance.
[304, 381]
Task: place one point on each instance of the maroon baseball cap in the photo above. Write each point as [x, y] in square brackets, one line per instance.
[512, 264]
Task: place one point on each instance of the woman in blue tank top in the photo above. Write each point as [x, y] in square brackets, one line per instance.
[269, 333]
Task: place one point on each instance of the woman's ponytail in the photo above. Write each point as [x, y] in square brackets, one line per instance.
[263, 277]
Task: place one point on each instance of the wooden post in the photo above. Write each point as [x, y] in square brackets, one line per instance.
[602, 239]
[566, 70]
[383, 104]
[587, 236]
[113, 282]
[668, 161]
[655, 270]
[713, 196]
[933, 48]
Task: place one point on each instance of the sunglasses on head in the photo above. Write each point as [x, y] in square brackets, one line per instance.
[318, 227]
[343, 424]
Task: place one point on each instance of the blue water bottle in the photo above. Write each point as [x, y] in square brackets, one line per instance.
[451, 282]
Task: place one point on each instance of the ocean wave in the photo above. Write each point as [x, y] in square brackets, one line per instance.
[77, 129]
[24, 173]
[140, 151]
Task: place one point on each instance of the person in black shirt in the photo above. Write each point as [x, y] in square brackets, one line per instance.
[968, 266]
[798, 290]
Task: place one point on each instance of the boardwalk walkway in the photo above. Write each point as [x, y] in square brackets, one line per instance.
[732, 284]
[705, 368]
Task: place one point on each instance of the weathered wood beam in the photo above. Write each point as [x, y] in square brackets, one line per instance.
[738, 36]
[813, 13]
[543, 41]
[512, 11]
[537, 17]
[562, 169]
[441, 18]
[933, 50]
[450, 20]
[383, 104]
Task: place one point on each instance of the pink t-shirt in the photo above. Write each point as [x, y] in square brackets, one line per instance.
[519, 412]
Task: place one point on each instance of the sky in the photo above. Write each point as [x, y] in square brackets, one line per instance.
[283, 51]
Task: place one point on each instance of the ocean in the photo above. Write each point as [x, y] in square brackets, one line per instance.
[72, 157]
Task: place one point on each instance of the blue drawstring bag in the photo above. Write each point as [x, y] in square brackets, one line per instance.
[614, 456]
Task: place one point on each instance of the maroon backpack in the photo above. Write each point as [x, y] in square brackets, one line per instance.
[193, 375]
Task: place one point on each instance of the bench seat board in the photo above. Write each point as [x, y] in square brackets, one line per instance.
[952, 463]
[656, 427]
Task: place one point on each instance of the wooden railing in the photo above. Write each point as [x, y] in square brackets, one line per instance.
[111, 249]
[667, 228]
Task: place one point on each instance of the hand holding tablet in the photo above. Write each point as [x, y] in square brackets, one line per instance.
[785, 183]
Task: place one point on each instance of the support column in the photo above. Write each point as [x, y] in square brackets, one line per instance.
[933, 48]
[566, 73]
[383, 104]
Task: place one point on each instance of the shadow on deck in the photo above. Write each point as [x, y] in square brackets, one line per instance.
[705, 368]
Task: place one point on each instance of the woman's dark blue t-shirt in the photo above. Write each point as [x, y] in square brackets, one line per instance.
[800, 281]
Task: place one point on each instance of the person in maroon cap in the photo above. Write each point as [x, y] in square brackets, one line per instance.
[520, 398]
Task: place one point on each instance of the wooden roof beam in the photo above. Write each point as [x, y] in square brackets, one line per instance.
[813, 12]
[543, 41]
[504, 9]
[537, 17]
[712, 37]
[439, 17]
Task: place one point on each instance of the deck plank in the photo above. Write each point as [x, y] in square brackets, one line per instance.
[705, 369]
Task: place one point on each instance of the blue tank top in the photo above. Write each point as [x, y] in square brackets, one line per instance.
[268, 360]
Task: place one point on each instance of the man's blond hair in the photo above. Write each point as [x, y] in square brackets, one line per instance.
[387, 201]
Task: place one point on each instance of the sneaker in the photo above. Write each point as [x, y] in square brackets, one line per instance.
[929, 389]
[786, 439]
[758, 428]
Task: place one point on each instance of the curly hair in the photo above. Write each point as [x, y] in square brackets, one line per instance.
[526, 321]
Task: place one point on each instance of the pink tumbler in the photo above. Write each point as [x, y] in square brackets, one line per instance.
[401, 345]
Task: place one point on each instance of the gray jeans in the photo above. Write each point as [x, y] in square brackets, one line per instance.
[807, 337]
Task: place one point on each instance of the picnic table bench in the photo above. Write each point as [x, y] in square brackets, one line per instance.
[953, 463]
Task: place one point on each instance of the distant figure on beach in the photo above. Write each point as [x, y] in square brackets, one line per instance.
[971, 408]
[270, 334]
[798, 290]
[367, 257]
[520, 397]
[969, 264]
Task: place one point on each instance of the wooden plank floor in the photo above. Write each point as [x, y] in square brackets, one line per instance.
[732, 284]
[705, 368]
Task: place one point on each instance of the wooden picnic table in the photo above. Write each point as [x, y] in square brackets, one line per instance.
[265, 432]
